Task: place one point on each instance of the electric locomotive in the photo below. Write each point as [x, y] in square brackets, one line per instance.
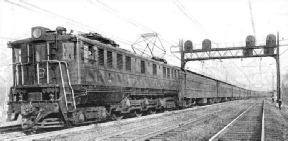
[63, 79]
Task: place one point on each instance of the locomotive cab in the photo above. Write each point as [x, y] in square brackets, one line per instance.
[41, 78]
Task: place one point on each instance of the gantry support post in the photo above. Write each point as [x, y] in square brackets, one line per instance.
[278, 73]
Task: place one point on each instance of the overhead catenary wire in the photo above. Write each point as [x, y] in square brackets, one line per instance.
[71, 21]
[129, 20]
[189, 17]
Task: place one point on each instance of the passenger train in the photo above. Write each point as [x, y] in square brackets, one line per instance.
[61, 79]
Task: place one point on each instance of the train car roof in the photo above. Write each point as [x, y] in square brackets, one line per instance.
[211, 78]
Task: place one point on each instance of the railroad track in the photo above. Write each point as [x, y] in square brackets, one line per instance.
[159, 131]
[247, 126]
[13, 128]
[10, 131]
[101, 126]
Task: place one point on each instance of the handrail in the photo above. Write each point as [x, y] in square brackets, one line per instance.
[69, 81]
[56, 61]
[61, 74]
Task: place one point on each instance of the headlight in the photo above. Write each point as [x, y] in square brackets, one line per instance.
[36, 33]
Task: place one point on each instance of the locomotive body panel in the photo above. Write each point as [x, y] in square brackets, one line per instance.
[104, 67]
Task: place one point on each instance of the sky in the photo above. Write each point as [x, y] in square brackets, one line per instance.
[221, 21]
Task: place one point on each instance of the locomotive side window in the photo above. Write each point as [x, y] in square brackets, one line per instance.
[154, 69]
[86, 53]
[142, 67]
[128, 63]
[90, 51]
[168, 73]
[119, 61]
[164, 72]
[109, 59]
[101, 57]
[89, 54]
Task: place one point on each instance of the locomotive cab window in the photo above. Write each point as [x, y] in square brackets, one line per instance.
[142, 67]
[25, 53]
[40, 52]
[17, 55]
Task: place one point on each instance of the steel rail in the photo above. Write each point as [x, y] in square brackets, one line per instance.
[263, 124]
[223, 130]
[157, 131]
[92, 126]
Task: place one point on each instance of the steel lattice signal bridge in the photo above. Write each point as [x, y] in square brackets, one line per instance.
[250, 50]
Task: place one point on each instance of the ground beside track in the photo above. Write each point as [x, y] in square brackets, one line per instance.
[276, 122]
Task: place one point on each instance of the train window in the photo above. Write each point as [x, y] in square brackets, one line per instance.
[164, 72]
[154, 69]
[172, 73]
[109, 59]
[168, 72]
[128, 63]
[175, 73]
[119, 61]
[142, 67]
[101, 57]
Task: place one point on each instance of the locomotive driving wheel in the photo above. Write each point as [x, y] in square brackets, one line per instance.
[117, 116]
[137, 113]
[151, 111]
